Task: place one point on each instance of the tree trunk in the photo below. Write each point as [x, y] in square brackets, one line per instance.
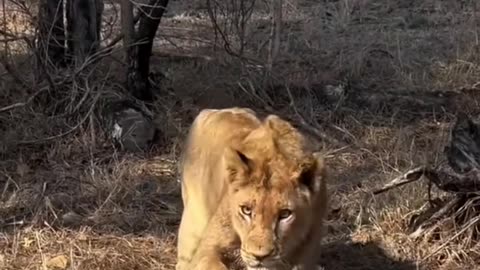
[84, 18]
[51, 47]
[128, 30]
[139, 59]
[275, 32]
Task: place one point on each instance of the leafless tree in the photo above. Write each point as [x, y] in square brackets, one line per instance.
[139, 45]
[83, 28]
[60, 43]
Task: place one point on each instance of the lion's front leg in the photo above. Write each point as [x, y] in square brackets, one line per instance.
[218, 240]
[210, 262]
[309, 258]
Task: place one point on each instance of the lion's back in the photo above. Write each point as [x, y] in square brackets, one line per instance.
[221, 126]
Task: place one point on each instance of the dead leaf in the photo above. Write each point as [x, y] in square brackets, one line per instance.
[59, 262]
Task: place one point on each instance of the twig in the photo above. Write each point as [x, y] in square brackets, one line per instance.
[408, 177]
[85, 118]
[227, 46]
[21, 104]
[83, 98]
[226, 43]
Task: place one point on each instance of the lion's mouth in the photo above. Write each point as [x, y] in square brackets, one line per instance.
[263, 267]
[255, 265]
[270, 263]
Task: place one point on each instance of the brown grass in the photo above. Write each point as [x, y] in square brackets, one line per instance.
[407, 67]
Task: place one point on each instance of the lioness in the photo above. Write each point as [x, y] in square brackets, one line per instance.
[251, 185]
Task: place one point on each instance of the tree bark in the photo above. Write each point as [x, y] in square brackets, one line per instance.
[139, 58]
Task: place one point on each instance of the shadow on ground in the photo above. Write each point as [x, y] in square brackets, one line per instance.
[345, 255]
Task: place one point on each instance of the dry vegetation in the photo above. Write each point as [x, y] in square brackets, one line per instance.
[382, 79]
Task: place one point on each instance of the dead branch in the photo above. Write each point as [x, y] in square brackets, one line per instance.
[408, 177]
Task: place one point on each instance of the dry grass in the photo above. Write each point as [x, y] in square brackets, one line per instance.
[407, 67]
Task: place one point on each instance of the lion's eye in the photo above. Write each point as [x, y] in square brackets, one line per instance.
[246, 210]
[284, 214]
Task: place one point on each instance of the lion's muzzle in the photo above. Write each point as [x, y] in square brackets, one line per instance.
[260, 256]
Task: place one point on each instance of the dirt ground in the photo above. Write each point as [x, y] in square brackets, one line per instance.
[383, 80]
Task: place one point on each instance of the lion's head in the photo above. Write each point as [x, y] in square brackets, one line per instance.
[273, 185]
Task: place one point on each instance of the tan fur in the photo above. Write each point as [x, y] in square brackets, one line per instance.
[240, 175]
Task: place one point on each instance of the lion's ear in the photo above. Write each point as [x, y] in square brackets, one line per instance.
[236, 163]
[312, 174]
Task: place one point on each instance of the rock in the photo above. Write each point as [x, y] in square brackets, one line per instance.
[71, 219]
[129, 124]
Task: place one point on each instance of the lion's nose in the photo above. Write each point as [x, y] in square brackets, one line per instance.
[261, 255]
